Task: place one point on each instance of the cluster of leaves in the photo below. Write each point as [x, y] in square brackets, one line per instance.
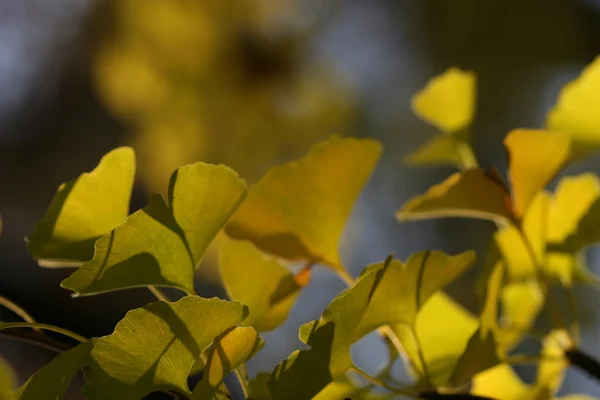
[291, 221]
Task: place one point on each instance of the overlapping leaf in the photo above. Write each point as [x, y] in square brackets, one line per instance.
[229, 351]
[389, 293]
[154, 347]
[53, 380]
[259, 281]
[85, 209]
[444, 150]
[530, 174]
[298, 210]
[163, 244]
[473, 194]
[576, 110]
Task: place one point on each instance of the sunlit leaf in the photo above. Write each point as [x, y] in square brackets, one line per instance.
[528, 174]
[521, 303]
[448, 100]
[163, 244]
[154, 347]
[298, 210]
[344, 388]
[576, 109]
[256, 279]
[390, 293]
[7, 380]
[443, 150]
[500, 382]
[489, 313]
[53, 380]
[229, 351]
[473, 194]
[85, 209]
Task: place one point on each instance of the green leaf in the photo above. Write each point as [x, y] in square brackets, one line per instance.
[232, 348]
[444, 150]
[390, 293]
[298, 210]
[344, 388]
[154, 347]
[528, 175]
[162, 245]
[7, 380]
[83, 210]
[576, 109]
[472, 194]
[256, 280]
[448, 100]
[53, 380]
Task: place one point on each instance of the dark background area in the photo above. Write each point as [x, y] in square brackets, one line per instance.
[57, 120]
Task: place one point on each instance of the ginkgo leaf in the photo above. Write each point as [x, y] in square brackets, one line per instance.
[298, 210]
[448, 100]
[528, 175]
[85, 209]
[576, 109]
[443, 150]
[53, 380]
[521, 303]
[500, 382]
[390, 293]
[254, 279]
[154, 347]
[344, 388]
[7, 380]
[232, 348]
[472, 194]
[163, 244]
[463, 351]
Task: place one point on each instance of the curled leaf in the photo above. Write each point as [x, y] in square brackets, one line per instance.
[472, 194]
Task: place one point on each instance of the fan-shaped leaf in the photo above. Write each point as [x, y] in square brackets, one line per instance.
[53, 380]
[7, 380]
[85, 209]
[576, 109]
[298, 210]
[232, 348]
[472, 194]
[529, 175]
[160, 244]
[259, 281]
[154, 347]
[448, 100]
[389, 293]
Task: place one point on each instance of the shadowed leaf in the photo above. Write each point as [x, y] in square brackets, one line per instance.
[83, 210]
[298, 210]
[390, 293]
[255, 279]
[154, 347]
[163, 244]
[7, 381]
[53, 380]
[443, 150]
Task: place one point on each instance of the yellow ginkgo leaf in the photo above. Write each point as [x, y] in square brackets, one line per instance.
[448, 100]
[500, 382]
[576, 111]
[472, 194]
[535, 157]
[298, 210]
[443, 150]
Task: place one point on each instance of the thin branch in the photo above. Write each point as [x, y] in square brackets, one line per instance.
[158, 293]
[52, 328]
[15, 308]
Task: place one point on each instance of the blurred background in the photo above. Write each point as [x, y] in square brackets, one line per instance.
[255, 83]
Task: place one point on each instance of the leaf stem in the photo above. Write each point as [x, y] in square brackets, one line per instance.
[243, 383]
[52, 328]
[158, 293]
[380, 383]
[15, 308]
